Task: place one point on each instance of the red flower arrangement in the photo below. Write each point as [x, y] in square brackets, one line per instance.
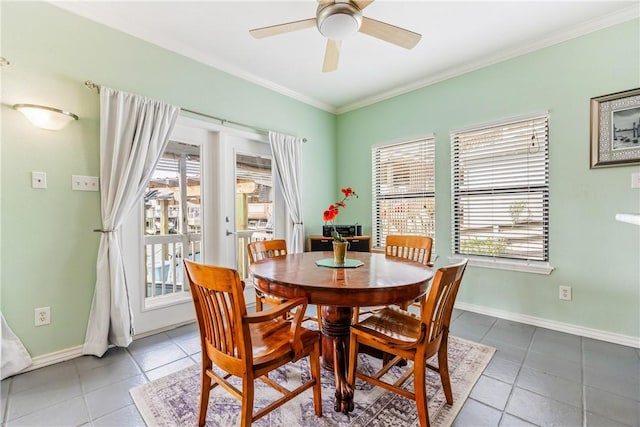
[332, 212]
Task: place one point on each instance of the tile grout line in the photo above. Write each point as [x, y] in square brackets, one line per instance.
[515, 380]
[144, 374]
[48, 405]
[83, 393]
[584, 387]
[5, 412]
[599, 389]
[135, 362]
[480, 340]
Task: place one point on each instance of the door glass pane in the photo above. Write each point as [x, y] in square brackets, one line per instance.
[254, 203]
[172, 207]
[162, 197]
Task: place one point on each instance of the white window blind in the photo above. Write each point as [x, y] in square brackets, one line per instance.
[403, 189]
[500, 188]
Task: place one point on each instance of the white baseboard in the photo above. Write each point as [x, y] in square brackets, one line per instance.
[612, 337]
[73, 352]
[53, 358]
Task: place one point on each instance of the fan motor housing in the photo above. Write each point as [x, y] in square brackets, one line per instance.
[336, 21]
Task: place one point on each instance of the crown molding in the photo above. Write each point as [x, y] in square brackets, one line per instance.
[252, 78]
[623, 15]
[267, 84]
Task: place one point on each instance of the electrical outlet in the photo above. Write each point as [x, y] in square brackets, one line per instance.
[42, 316]
[565, 293]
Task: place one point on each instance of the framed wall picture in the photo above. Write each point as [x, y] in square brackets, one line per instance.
[615, 129]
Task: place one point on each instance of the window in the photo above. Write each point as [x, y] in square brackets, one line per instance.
[500, 190]
[403, 189]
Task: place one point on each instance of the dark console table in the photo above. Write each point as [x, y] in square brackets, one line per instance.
[356, 243]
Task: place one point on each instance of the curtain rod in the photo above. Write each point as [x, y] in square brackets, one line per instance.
[91, 85]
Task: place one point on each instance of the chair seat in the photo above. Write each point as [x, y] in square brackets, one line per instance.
[248, 346]
[270, 340]
[403, 335]
[391, 324]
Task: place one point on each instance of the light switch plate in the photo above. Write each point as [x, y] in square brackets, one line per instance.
[39, 180]
[635, 180]
[84, 183]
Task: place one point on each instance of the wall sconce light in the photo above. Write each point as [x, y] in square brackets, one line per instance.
[46, 117]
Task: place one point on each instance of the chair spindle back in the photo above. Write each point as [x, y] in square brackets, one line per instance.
[436, 313]
[413, 248]
[219, 304]
[262, 249]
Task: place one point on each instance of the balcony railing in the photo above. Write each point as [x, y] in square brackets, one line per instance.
[243, 238]
[164, 254]
[164, 269]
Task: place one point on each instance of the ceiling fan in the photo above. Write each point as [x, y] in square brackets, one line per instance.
[339, 19]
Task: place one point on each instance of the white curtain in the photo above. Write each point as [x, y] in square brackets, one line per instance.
[287, 154]
[134, 132]
[14, 356]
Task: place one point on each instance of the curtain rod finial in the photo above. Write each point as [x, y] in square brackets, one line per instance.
[91, 85]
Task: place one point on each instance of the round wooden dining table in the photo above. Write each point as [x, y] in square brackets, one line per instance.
[380, 280]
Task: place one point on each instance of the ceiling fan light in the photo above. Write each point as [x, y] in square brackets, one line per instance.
[339, 26]
[338, 21]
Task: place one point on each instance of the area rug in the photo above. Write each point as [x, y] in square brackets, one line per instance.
[173, 400]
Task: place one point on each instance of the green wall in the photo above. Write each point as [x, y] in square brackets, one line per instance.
[48, 247]
[596, 255]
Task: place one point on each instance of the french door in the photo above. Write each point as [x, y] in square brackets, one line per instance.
[255, 210]
[163, 230]
[211, 193]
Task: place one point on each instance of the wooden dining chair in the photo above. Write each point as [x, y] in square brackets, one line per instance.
[409, 337]
[263, 249]
[248, 346]
[412, 248]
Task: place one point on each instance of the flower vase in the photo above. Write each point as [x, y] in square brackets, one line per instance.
[339, 252]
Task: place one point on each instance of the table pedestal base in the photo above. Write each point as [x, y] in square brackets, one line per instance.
[336, 322]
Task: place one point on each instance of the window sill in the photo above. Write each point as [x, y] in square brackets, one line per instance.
[504, 264]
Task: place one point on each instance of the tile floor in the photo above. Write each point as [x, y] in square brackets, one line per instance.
[537, 377]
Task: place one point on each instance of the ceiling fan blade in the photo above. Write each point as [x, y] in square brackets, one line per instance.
[288, 27]
[325, 2]
[362, 3]
[389, 33]
[331, 56]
